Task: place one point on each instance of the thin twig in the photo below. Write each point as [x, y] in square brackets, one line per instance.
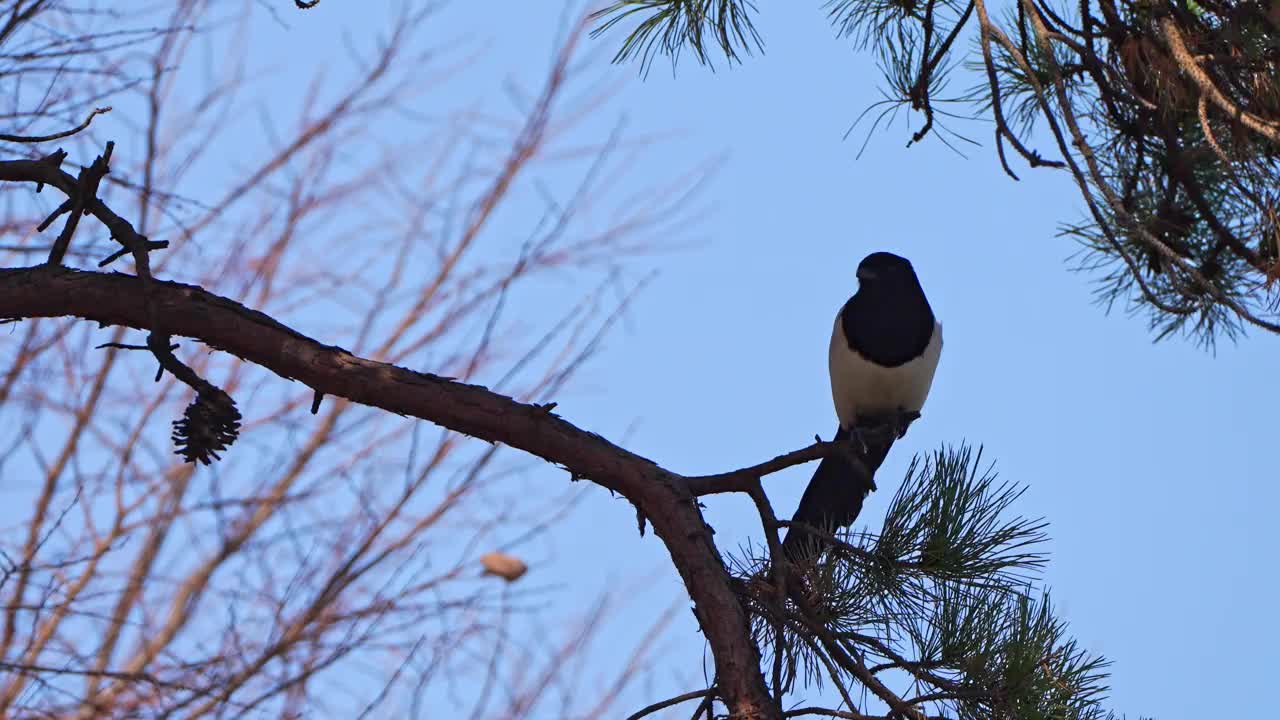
[55, 136]
[663, 704]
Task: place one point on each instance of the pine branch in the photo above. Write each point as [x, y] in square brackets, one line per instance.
[666, 27]
[1167, 117]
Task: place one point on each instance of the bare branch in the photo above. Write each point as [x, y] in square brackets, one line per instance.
[58, 135]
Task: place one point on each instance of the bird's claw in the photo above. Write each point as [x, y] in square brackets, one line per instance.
[903, 420]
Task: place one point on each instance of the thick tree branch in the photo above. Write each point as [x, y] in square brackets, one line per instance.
[663, 497]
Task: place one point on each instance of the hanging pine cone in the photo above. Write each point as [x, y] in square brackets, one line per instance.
[209, 426]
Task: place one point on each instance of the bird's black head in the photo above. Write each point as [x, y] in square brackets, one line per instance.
[888, 320]
[886, 270]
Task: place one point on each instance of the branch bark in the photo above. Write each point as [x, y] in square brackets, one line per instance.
[662, 496]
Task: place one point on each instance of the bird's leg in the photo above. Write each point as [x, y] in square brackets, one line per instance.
[878, 428]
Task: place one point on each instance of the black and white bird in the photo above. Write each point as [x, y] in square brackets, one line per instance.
[885, 348]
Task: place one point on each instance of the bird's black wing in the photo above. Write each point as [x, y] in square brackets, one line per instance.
[834, 496]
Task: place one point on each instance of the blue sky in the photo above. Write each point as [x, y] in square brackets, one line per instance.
[1148, 460]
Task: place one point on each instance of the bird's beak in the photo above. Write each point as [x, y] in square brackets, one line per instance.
[864, 275]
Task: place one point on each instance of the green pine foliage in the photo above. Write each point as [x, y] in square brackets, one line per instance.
[1166, 114]
[941, 605]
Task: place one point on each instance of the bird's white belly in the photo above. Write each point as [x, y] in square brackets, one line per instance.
[859, 386]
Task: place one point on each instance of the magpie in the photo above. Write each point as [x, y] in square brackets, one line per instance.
[884, 350]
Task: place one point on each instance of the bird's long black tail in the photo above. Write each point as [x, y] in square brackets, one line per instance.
[834, 496]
